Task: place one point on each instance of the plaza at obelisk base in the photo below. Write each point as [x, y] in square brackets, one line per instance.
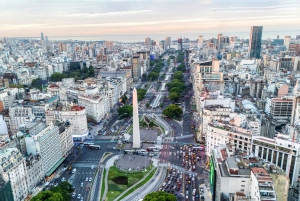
[136, 141]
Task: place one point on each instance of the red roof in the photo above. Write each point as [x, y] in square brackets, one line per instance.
[77, 108]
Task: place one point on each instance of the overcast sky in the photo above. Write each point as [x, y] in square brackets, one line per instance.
[146, 17]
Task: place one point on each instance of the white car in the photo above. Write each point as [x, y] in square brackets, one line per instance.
[86, 179]
[78, 196]
[90, 179]
[63, 179]
[74, 194]
[164, 184]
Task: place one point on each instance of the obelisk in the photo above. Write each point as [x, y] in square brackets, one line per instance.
[136, 141]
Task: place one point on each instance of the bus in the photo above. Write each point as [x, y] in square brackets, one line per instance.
[142, 152]
[198, 148]
[129, 151]
[152, 149]
[94, 146]
[88, 144]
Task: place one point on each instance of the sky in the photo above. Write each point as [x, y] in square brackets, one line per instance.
[28, 18]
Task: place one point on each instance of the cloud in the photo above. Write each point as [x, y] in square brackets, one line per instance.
[256, 8]
[108, 13]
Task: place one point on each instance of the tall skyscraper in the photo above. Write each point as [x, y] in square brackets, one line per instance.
[287, 40]
[167, 42]
[42, 36]
[220, 37]
[136, 68]
[136, 139]
[200, 42]
[109, 45]
[255, 41]
[179, 43]
[148, 41]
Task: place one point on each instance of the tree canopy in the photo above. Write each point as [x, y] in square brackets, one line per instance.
[174, 96]
[172, 110]
[74, 73]
[181, 67]
[141, 94]
[180, 57]
[160, 196]
[177, 83]
[125, 111]
[58, 193]
[153, 76]
[178, 75]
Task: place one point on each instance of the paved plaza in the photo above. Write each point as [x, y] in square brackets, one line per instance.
[147, 135]
[132, 162]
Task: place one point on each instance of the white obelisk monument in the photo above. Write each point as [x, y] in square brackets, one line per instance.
[136, 124]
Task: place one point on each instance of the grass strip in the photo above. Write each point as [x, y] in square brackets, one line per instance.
[140, 184]
[103, 184]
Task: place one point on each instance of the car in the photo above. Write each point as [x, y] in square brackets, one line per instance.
[81, 199]
[164, 184]
[73, 194]
[86, 179]
[81, 185]
[90, 179]
[74, 186]
[88, 188]
[78, 196]
[63, 179]
[114, 147]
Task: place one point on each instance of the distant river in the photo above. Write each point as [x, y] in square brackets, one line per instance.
[191, 36]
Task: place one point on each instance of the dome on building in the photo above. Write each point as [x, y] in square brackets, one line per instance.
[3, 126]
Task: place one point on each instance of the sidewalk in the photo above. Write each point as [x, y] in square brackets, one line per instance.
[108, 164]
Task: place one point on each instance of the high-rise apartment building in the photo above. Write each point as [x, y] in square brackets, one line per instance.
[200, 42]
[76, 115]
[109, 45]
[148, 41]
[167, 42]
[62, 47]
[136, 68]
[42, 36]
[13, 168]
[255, 41]
[220, 37]
[287, 40]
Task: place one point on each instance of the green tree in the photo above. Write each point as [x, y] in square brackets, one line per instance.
[181, 67]
[91, 71]
[85, 69]
[174, 96]
[175, 89]
[48, 196]
[152, 63]
[172, 110]
[124, 99]
[178, 75]
[56, 77]
[125, 111]
[19, 86]
[147, 104]
[151, 124]
[160, 196]
[177, 83]
[153, 76]
[141, 94]
[143, 124]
